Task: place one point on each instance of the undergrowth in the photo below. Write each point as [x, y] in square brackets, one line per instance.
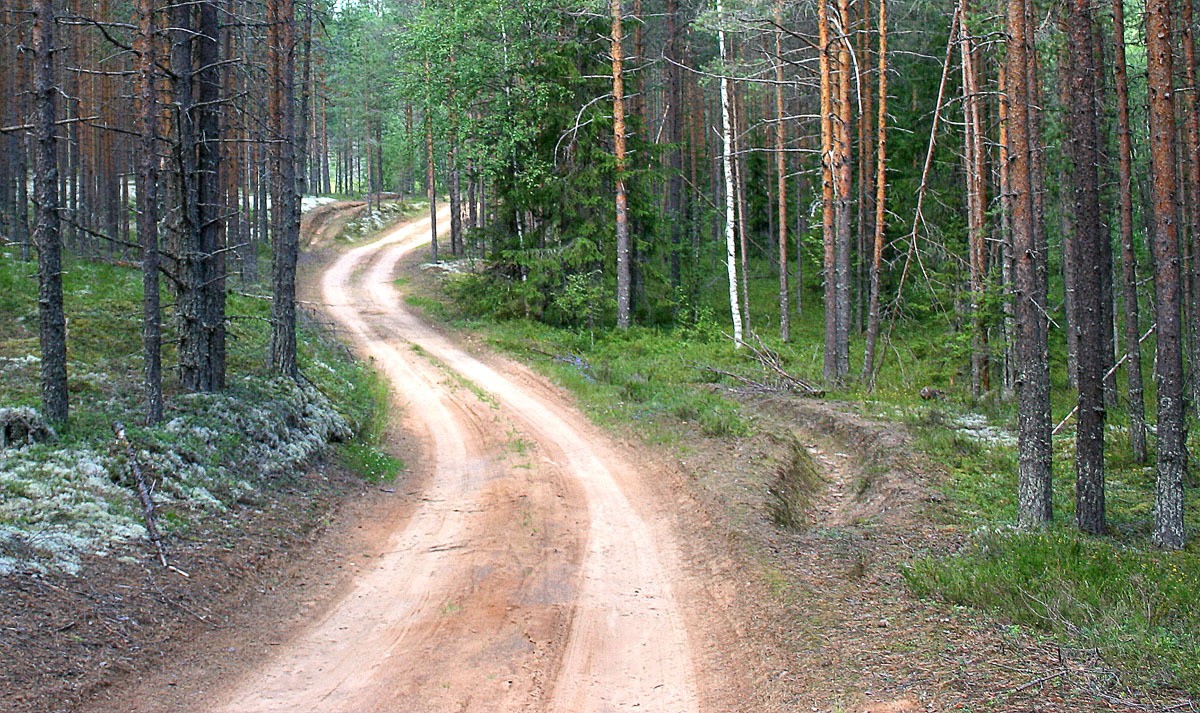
[73, 498]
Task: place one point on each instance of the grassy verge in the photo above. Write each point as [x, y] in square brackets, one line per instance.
[1116, 595]
[66, 500]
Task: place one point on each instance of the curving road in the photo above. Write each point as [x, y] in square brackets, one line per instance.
[533, 576]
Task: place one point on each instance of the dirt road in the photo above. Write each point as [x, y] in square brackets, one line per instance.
[533, 576]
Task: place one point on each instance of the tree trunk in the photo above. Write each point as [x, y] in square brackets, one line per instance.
[828, 218]
[622, 209]
[430, 187]
[781, 180]
[727, 164]
[1129, 279]
[52, 326]
[1191, 173]
[880, 202]
[739, 185]
[1093, 355]
[147, 220]
[976, 207]
[1029, 290]
[1164, 243]
[282, 19]
[843, 164]
[196, 71]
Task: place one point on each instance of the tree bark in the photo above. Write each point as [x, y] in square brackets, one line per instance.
[843, 165]
[828, 214]
[1090, 236]
[147, 220]
[52, 326]
[1132, 331]
[880, 202]
[1164, 244]
[282, 17]
[1029, 289]
[727, 163]
[622, 207]
[976, 207]
[781, 223]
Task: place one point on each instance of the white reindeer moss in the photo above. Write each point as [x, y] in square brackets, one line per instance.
[60, 504]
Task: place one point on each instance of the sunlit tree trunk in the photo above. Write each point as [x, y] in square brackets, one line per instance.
[880, 201]
[1029, 276]
[1164, 243]
[781, 180]
[830, 369]
[843, 166]
[727, 163]
[622, 207]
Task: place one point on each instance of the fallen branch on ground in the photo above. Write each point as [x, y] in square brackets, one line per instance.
[144, 495]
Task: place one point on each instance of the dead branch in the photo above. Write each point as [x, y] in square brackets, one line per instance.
[143, 489]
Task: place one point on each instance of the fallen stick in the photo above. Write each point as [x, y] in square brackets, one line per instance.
[143, 494]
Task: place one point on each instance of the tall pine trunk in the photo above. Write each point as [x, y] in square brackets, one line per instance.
[282, 19]
[147, 220]
[1129, 280]
[1029, 277]
[1164, 245]
[781, 180]
[621, 203]
[880, 202]
[1090, 268]
[52, 325]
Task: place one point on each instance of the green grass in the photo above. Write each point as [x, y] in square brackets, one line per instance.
[370, 463]
[1136, 606]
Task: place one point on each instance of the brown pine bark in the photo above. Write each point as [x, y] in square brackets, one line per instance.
[830, 367]
[880, 201]
[672, 137]
[843, 166]
[1191, 181]
[622, 207]
[1171, 468]
[973, 158]
[1029, 277]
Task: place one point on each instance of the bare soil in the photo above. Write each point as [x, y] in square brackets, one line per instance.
[531, 562]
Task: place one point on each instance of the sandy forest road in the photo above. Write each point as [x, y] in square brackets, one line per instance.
[535, 575]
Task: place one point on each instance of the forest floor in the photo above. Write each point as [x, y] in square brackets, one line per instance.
[530, 561]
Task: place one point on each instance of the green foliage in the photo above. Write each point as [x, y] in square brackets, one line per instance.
[1136, 606]
[370, 463]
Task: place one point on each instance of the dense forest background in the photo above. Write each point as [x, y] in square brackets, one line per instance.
[1021, 181]
[958, 210]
